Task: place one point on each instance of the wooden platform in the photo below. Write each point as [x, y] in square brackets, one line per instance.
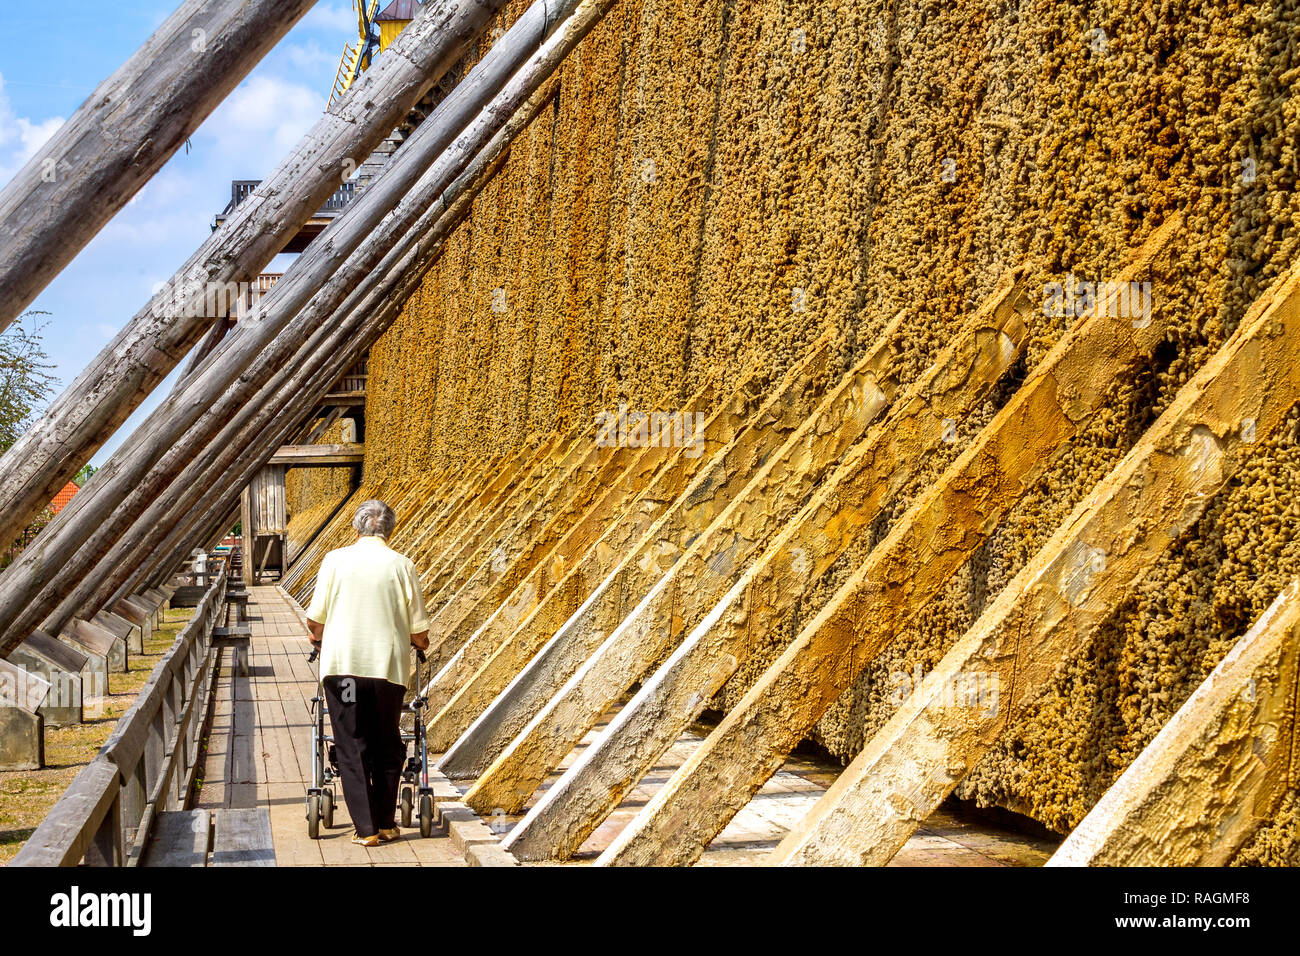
[259, 750]
[259, 757]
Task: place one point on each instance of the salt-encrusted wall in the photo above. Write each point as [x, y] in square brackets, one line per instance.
[719, 183]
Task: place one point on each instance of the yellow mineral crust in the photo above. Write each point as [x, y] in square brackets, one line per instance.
[718, 184]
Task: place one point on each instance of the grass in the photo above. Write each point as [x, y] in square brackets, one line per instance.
[27, 796]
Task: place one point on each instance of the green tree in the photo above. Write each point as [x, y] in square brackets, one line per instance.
[25, 379]
[83, 476]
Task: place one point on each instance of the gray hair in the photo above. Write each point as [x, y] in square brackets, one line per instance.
[374, 517]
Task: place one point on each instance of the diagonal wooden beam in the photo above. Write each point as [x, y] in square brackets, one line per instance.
[938, 533]
[1217, 770]
[549, 474]
[520, 588]
[372, 307]
[846, 504]
[515, 555]
[549, 645]
[1099, 554]
[740, 525]
[478, 493]
[521, 625]
[350, 265]
[158, 336]
[545, 648]
[124, 132]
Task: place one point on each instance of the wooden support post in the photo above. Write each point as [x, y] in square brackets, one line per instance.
[1098, 555]
[22, 729]
[502, 541]
[601, 498]
[365, 247]
[49, 453]
[343, 342]
[1217, 770]
[542, 648]
[106, 652]
[500, 517]
[932, 540]
[62, 667]
[873, 471]
[246, 535]
[124, 132]
[376, 305]
[740, 516]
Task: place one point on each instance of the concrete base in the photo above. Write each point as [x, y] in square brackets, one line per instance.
[106, 652]
[123, 628]
[138, 614]
[62, 667]
[22, 739]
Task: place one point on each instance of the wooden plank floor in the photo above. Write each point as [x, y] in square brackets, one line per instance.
[259, 750]
[259, 754]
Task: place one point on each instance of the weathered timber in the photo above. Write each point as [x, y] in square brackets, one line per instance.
[553, 540]
[62, 667]
[761, 495]
[285, 403]
[47, 455]
[544, 647]
[1217, 770]
[180, 838]
[98, 642]
[124, 132]
[1050, 609]
[318, 456]
[377, 304]
[937, 534]
[354, 260]
[22, 728]
[242, 838]
[846, 504]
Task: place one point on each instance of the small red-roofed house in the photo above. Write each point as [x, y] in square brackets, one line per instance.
[63, 497]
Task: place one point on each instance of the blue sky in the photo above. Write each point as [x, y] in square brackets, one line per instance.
[47, 70]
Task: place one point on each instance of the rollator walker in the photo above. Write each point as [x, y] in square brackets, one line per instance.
[321, 799]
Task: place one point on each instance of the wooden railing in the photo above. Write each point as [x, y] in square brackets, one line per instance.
[148, 764]
[241, 189]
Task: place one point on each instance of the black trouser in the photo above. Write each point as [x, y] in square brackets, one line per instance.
[365, 713]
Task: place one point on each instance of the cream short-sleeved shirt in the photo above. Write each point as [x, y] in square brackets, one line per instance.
[369, 599]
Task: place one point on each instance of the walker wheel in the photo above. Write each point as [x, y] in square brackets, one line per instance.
[406, 806]
[313, 816]
[426, 815]
[327, 808]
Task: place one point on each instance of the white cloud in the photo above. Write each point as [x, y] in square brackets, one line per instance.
[263, 119]
[338, 17]
[311, 56]
[20, 137]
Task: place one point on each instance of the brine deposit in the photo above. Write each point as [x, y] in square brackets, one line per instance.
[718, 184]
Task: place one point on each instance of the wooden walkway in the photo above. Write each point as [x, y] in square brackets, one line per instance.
[259, 756]
[259, 750]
